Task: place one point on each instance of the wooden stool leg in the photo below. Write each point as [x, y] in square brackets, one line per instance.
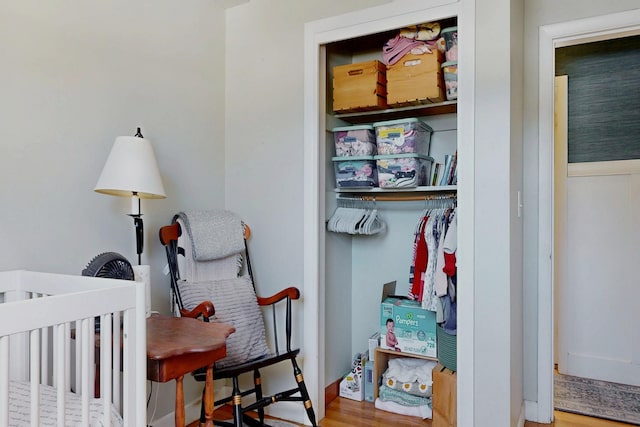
[208, 398]
[179, 402]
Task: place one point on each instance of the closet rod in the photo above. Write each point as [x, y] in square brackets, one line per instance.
[399, 197]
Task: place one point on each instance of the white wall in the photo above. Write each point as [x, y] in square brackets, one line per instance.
[264, 152]
[538, 13]
[74, 76]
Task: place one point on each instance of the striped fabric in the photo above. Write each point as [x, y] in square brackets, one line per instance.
[236, 304]
[20, 401]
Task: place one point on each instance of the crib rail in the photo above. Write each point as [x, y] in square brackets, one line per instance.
[48, 338]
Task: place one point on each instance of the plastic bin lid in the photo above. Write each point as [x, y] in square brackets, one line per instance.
[351, 158]
[449, 64]
[449, 29]
[403, 121]
[347, 128]
[403, 156]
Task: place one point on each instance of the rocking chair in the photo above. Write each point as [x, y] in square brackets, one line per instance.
[207, 254]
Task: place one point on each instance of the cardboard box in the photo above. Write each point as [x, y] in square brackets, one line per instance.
[414, 328]
[374, 342]
[352, 384]
[415, 80]
[445, 397]
[359, 87]
[368, 381]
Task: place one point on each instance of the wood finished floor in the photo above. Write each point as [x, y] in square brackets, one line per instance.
[349, 413]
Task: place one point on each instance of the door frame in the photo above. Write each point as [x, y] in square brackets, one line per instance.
[551, 37]
[350, 25]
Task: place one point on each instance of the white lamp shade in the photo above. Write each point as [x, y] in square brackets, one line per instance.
[131, 168]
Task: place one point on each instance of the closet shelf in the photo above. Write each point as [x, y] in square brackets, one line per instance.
[445, 107]
[399, 194]
[377, 190]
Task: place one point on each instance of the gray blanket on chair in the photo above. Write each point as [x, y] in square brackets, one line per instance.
[214, 234]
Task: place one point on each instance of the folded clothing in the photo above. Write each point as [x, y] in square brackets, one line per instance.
[415, 388]
[394, 49]
[405, 399]
[409, 370]
[423, 412]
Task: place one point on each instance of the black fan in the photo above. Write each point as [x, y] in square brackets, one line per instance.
[109, 265]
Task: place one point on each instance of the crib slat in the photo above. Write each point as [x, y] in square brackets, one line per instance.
[4, 381]
[67, 356]
[116, 362]
[58, 359]
[129, 363]
[87, 327]
[34, 357]
[92, 357]
[105, 361]
[78, 388]
[44, 357]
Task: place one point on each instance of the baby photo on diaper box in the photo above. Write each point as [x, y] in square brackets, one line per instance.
[405, 326]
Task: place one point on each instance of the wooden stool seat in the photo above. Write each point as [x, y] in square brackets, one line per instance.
[179, 345]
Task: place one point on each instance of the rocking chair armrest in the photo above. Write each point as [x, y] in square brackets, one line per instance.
[204, 309]
[290, 292]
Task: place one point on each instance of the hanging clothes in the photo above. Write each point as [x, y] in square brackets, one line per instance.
[432, 235]
[419, 264]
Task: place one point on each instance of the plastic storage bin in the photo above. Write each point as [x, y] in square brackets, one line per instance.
[450, 36]
[403, 170]
[354, 140]
[451, 79]
[355, 172]
[403, 136]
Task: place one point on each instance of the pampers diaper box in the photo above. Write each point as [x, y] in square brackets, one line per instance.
[405, 326]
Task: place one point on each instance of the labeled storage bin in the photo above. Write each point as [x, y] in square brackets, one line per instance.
[360, 87]
[354, 140]
[415, 80]
[403, 136]
[450, 36]
[355, 172]
[403, 170]
[451, 79]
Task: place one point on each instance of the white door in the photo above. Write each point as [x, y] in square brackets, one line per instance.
[597, 262]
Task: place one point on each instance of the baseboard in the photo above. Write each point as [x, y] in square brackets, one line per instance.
[531, 411]
[288, 411]
[191, 413]
[331, 392]
[191, 410]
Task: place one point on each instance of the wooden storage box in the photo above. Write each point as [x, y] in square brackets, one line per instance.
[416, 79]
[359, 87]
[445, 397]
[381, 363]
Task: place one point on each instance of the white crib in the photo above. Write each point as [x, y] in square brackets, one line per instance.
[46, 376]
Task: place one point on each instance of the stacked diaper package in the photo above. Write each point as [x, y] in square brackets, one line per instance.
[406, 387]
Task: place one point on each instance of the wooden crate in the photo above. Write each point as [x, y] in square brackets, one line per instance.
[359, 87]
[445, 397]
[381, 363]
[415, 80]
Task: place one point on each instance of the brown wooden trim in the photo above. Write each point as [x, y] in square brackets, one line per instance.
[331, 392]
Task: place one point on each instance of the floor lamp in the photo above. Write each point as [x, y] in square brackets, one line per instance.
[132, 171]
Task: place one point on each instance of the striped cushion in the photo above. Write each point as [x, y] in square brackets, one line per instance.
[236, 304]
